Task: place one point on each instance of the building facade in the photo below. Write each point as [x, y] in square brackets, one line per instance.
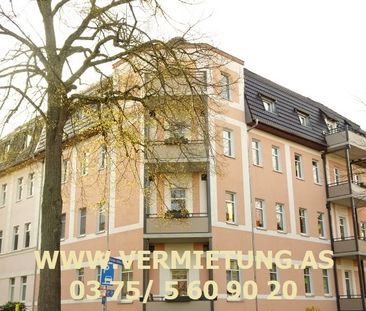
[284, 173]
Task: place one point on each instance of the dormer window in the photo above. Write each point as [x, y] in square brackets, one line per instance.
[269, 104]
[331, 123]
[303, 118]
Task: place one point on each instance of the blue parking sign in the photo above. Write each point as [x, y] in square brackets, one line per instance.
[107, 275]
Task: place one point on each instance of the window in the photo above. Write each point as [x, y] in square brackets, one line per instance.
[27, 234]
[64, 171]
[15, 237]
[99, 273]
[11, 289]
[4, 188]
[63, 226]
[102, 157]
[84, 163]
[362, 231]
[230, 207]
[269, 104]
[259, 213]
[82, 221]
[178, 129]
[225, 86]
[1, 240]
[257, 152]
[326, 287]
[126, 276]
[298, 166]
[343, 230]
[357, 178]
[177, 199]
[23, 288]
[349, 283]
[276, 164]
[30, 184]
[19, 188]
[308, 281]
[101, 219]
[280, 217]
[273, 276]
[321, 225]
[331, 124]
[233, 274]
[316, 171]
[79, 277]
[337, 176]
[181, 276]
[227, 136]
[304, 119]
[303, 220]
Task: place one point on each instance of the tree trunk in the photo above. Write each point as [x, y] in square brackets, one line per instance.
[49, 297]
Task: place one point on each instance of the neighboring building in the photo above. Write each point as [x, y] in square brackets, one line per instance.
[279, 177]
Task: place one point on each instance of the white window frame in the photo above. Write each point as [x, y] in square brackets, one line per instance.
[350, 278]
[4, 189]
[30, 187]
[84, 165]
[299, 170]
[316, 171]
[11, 289]
[304, 118]
[260, 210]
[280, 214]
[363, 230]
[23, 288]
[81, 219]
[27, 234]
[321, 225]
[343, 225]
[102, 157]
[325, 276]
[273, 275]
[1, 240]
[15, 238]
[257, 152]
[100, 217]
[80, 276]
[225, 86]
[269, 104]
[126, 276]
[230, 206]
[303, 216]
[228, 142]
[308, 274]
[276, 159]
[337, 175]
[20, 189]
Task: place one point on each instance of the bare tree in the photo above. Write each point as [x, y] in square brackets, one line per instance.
[47, 67]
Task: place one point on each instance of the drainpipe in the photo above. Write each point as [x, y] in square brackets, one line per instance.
[251, 217]
[38, 234]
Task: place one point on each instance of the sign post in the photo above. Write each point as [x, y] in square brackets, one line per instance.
[106, 279]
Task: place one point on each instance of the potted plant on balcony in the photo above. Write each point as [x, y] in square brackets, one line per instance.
[177, 213]
[176, 140]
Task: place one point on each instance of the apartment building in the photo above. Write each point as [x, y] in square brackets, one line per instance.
[283, 173]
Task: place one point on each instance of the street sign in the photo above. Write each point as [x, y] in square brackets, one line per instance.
[107, 275]
[115, 260]
[110, 292]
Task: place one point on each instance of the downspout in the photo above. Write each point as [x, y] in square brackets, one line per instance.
[251, 214]
[38, 234]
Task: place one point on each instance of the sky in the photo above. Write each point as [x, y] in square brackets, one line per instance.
[314, 47]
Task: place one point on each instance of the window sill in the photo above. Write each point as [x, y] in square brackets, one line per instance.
[30, 196]
[318, 184]
[282, 232]
[2, 206]
[300, 178]
[62, 240]
[17, 201]
[100, 232]
[101, 168]
[278, 171]
[258, 165]
[309, 295]
[305, 235]
[328, 295]
[322, 238]
[229, 156]
[81, 236]
[125, 301]
[232, 223]
[261, 228]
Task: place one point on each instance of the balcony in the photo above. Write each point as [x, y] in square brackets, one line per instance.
[179, 304]
[347, 246]
[182, 155]
[340, 137]
[341, 193]
[194, 226]
[350, 303]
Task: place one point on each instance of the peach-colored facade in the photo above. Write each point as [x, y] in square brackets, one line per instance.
[236, 197]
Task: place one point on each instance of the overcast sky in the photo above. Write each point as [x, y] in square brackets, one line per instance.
[314, 47]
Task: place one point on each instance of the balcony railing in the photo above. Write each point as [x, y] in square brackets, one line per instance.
[347, 246]
[189, 223]
[342, 136]
[350, 303]
[342, 192]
